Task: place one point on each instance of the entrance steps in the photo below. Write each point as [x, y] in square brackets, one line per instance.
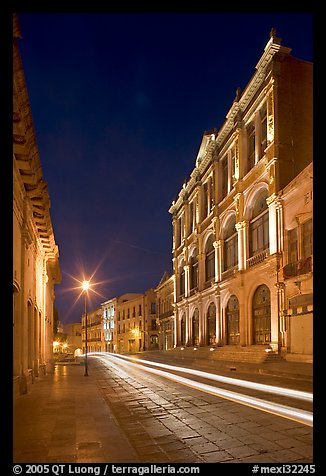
[254, 354]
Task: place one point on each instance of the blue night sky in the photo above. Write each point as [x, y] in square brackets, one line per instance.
[120, 102]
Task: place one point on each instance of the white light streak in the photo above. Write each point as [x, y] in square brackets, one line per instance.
[284, 411]
[285, 392]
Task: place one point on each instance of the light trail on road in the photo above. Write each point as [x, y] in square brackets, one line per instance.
[284, 411]
[284, 392]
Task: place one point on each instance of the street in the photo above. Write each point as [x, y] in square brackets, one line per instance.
[197, 419]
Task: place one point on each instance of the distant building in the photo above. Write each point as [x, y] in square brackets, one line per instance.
[95, 333]
[164, 311]
[242, 222]
[136, 322]
[127, 323]
[35, 253]
[109, 312]
[73, 332]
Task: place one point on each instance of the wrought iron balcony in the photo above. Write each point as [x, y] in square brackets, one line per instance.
[297, 268]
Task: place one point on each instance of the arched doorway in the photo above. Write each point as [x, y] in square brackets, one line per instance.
[183, 330]
[232, 321]
[195, 327]
[211, 324]
[261, 312]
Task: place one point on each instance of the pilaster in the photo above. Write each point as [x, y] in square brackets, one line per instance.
[242, 229]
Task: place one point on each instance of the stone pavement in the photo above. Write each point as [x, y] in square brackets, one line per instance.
[64, 419]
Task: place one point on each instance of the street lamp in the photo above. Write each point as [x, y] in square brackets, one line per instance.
[85, 286]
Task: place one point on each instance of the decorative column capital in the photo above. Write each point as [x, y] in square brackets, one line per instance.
[218, 244]
[241, 225]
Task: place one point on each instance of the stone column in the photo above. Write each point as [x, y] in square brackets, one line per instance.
[218, 246]
[188, 328]
[275, 216]
[187, 280]
[243, 245]
[219, 337]
[201, 322]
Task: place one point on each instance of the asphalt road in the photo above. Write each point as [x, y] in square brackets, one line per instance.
[171, 415]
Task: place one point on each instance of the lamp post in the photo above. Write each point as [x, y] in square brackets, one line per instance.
[85, 288]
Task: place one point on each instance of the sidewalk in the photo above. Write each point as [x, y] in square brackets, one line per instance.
[64, 419]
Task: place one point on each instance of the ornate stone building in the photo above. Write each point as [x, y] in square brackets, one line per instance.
[164, 310]
[136, 327]
[95, 331]
[242, 228]
[35, 253]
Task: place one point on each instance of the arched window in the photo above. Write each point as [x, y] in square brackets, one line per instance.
[230, 245]
[195, 327]
[259, 225]
[211, 324]
[210, 259]
[182, 279]
[194, 270]
[251, 137]
[263, 129]
[183, 330]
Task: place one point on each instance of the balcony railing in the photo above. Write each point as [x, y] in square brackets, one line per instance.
[165, 314]
[229, 273]
[297, 268]
[257, 259]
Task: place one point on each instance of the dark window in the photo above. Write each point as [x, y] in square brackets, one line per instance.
[293, 245]
[233, 157]
[259, 226]
[251, 146]
[306, 236]
[210, 259]
[205, 200]
[191, 217]
[225, 173]
[230, 246]
[263, 122]
[182, 280]
[194, 271]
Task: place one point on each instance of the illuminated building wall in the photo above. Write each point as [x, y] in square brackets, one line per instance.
[229, 227]
[35, 253]
[296, 277]
[95, 332]
[130, 323]
[109, 310]
[135, 322]
[164, 311]
[73, 332]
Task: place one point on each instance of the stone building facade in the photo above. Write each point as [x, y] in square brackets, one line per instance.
[109, 312]
[95, 331]
[35, 253]
[238, 215]
[165, 312]
[136, 327]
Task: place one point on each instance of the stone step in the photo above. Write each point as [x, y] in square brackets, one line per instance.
[250, 354]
